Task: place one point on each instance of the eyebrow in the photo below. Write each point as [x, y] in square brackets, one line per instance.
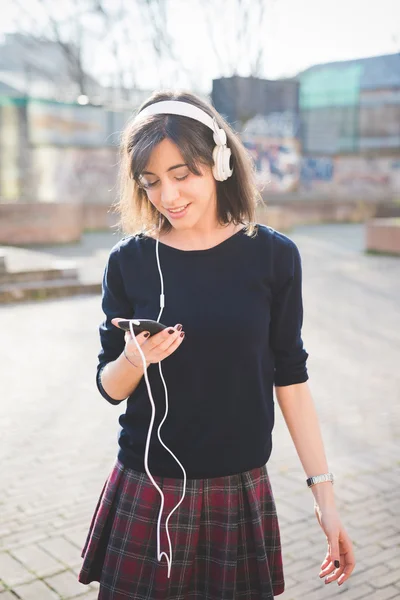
[168, 170]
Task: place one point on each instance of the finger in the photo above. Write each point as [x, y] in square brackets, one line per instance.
[167, 347]
[335, 575]
[161, 341]
[326, 561]
[334, 552]
[348, 561]
[347, 571]
[141, 338]
[174, 345]
[327, 566]
[327, 569]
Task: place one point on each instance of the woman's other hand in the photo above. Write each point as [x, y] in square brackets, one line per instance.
[339, 561]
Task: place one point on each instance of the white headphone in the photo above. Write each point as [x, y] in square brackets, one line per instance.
[149, 433]
[221, 153]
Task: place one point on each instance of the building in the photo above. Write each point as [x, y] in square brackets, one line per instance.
[351, 106]
[240, 99]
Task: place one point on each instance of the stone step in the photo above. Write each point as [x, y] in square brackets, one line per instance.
[37, 275]
[26, 291]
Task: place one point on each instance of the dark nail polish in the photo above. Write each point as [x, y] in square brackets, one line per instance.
[171, 330]
[182, 334]
[147, 334]
[337, 564]
[179, 327]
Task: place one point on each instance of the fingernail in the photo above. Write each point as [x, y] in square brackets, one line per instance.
[146, 335]
[179, 327]
[337, 564]
[182, 334]
[171, 330]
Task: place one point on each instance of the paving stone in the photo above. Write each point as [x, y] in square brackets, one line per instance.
[301, 589]
[386, 579]
[389, 593]
[37, 590]
[37, 560]
[66, 584]
[62, 550]
[77, 537]
[362, 591]
[368, 575]
[384, 556]
[390, 541]
[92, 595]
[12, 571]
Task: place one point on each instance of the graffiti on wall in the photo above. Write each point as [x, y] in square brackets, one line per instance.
[349, 176]
[283, 124]
[314, 170]
[277, 162]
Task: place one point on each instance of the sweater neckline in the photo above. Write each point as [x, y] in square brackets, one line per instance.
[204, 251]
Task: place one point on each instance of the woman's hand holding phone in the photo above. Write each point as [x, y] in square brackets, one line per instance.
[156, 347]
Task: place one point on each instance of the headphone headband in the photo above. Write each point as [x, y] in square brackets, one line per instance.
[221, 153]
[176, 107]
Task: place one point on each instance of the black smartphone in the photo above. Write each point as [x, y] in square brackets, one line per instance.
[140, 325]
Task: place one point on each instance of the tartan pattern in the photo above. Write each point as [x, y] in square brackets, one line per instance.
[225, 538]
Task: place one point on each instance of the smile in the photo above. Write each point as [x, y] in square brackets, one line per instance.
[178, 212]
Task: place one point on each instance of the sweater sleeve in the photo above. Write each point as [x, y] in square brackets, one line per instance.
[287, 318]
[115, 303]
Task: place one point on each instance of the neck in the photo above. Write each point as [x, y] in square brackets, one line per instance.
[191, 239]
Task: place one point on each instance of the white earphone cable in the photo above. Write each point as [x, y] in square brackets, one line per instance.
[146, 454]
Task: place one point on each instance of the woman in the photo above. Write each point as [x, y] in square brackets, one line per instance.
[233, 288]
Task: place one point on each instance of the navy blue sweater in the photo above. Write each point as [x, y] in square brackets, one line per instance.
[240, 304]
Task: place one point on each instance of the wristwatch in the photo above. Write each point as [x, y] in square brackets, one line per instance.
[319, 479]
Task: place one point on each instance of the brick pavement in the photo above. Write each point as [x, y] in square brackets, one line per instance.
[54, 461]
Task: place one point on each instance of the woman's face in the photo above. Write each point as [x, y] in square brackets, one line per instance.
[187, 200]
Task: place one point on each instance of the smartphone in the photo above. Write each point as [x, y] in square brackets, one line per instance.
[140, 325]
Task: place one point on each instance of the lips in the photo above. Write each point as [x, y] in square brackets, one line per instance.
[177, 212]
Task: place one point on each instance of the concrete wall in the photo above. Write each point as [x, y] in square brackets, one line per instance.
[352, 176]
[54, 152]
[40, 223]
[51, 223]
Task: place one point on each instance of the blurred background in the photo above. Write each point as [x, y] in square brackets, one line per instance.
[313, 90]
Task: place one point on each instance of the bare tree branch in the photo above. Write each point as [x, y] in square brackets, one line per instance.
[244, 53]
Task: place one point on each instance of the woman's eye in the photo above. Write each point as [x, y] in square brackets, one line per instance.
[149, 184]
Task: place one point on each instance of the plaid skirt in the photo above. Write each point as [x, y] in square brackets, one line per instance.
[225, 538]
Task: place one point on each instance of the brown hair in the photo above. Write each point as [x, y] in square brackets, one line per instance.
[237, 197]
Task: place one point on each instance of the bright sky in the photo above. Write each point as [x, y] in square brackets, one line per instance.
[296, 34]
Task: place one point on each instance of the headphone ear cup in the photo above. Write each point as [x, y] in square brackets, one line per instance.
[226, 160]
[217, 164]
[222, 169]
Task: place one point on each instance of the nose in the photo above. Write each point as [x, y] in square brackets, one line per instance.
[169, 193]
